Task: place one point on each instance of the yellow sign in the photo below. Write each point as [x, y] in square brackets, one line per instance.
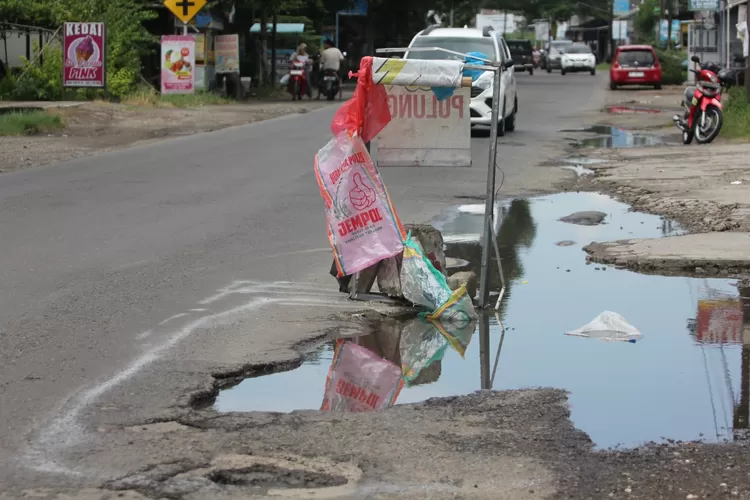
[184, 10]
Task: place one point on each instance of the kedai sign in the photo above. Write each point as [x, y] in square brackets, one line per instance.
[84, 55]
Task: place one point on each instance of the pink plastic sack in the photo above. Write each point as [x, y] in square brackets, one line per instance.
[363, 227]
[359, 380]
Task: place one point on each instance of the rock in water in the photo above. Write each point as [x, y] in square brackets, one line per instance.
[585, 218]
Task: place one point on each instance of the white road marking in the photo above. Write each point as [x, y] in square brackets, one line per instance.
[64, 429]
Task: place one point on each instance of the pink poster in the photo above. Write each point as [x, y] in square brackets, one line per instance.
[84, 55]
[178, 64]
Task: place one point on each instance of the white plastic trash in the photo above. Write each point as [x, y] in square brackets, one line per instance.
[608, 326]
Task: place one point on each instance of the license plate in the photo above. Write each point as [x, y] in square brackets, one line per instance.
[636, 74]
[329, 78]
[296, 72]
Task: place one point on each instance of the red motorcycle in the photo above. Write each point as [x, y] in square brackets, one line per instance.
[703, 116]
[297, 80]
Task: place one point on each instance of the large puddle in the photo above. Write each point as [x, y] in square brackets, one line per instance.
[680, 381]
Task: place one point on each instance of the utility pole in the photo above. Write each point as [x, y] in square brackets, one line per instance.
[747, 45]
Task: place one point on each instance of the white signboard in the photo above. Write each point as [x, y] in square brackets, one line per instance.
[501, 23]
[425, 132]
[541, 30]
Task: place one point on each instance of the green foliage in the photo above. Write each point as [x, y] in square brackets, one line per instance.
[28, 122]
[736, 114]
[645, 21]
[39, 82]
[127, 41]
[671, 66]
[148, 97]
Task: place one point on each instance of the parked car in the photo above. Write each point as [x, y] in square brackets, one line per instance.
[522, 53]
[554, 54]
[635, 65]
[578, 57]
[465, 40]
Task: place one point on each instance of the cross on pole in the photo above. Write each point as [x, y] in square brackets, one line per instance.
[185, 4]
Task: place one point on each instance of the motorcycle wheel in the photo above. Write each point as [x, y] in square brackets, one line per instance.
[295, 90]
[717, 120]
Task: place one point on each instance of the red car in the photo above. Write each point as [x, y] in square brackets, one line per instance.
[635, 65]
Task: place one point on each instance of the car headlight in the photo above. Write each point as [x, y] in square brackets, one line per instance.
[484, 81]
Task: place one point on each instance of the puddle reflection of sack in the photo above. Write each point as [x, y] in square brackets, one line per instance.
[421, 345]
[458, 335]
[360, 380]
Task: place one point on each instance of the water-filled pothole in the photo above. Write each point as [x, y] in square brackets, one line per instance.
[682, 381]
[613, 137]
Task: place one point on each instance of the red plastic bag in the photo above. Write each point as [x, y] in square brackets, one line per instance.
[367, 112]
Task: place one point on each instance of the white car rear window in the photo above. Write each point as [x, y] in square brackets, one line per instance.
[463, 45]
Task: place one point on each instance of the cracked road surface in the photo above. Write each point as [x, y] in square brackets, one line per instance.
[130, 278]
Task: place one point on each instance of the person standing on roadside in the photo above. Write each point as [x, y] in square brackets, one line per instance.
[330, 59]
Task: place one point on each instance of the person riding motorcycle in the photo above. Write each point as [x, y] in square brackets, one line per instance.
[301, 56]
[330, 60]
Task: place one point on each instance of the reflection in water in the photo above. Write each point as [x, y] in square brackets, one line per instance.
[368, 372]
[516, 233]
[613, 137]
[724, 320]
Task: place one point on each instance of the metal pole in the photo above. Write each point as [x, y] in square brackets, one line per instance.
[337, 29]
[184, 29]
[484, 352]
[727, 34]
[489, 204]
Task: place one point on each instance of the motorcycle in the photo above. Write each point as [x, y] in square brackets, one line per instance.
[703, 116]
[297, 80]
[329, 84]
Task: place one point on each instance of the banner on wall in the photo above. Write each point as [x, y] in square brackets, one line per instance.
[227, 53]
[178, 64]
[84, 55]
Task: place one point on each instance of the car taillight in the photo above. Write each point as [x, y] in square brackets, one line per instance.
[616, 66]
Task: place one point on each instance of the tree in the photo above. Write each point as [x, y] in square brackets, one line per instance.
[127, 39]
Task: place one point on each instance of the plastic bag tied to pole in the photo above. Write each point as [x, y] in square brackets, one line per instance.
[608, 326]
[367, 113]
[363, 227]
[425, 286]
[475, 58]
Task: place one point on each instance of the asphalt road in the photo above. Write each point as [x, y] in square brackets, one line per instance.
[99, 254]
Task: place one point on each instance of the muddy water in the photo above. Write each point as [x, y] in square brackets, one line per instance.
[605, 136]
[680, 381]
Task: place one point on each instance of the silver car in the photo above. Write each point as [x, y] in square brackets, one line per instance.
[554, 54]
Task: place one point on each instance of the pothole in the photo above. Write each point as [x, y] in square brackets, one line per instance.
[606, 136]
[682, 381]
[238, 474]
[632, 109]
[269, 476]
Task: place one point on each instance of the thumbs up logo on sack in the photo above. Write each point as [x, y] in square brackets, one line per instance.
[362, 196]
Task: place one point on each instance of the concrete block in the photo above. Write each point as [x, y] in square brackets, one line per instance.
[468, 278]
[431, 241]
[389, 276]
